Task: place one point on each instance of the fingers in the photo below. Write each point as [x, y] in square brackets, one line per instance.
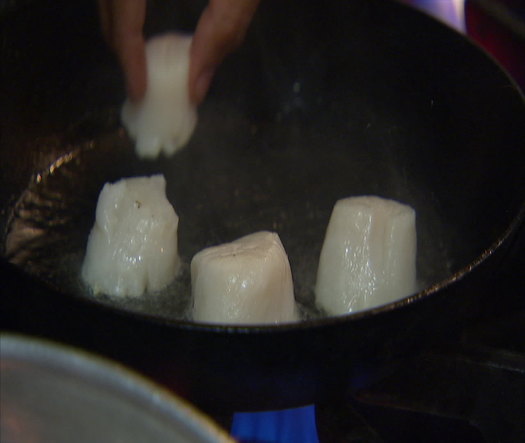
[220, 30]
[122, 22]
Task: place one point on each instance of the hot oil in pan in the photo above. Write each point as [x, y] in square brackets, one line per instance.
[234, 178]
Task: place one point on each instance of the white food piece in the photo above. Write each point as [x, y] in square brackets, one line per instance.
[164, 121]
[247, 281]
[132, 248]
[369, 255]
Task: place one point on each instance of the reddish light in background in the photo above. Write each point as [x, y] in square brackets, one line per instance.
[498, 26]
[500, 32]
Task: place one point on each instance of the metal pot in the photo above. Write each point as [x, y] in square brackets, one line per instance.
[53, 393]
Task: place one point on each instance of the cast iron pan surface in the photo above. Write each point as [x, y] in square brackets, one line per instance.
[324, 100]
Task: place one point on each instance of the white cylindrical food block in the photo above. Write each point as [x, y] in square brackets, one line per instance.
[165, 119]
[132, 248]
[247, 281]
[368, 256]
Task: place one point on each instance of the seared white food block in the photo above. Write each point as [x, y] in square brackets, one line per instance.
[246, 281]
[369, 255]
[132, 248]
[165, 119]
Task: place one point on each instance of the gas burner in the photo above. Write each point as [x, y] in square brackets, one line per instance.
[472, 391]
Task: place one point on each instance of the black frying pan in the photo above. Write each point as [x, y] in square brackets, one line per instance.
[324, 100]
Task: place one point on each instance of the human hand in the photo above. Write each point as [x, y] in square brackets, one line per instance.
[220, 30]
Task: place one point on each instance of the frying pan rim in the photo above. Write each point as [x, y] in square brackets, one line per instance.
[316, 323]
[364, 314]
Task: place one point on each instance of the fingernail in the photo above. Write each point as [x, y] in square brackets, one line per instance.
[203, 84]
